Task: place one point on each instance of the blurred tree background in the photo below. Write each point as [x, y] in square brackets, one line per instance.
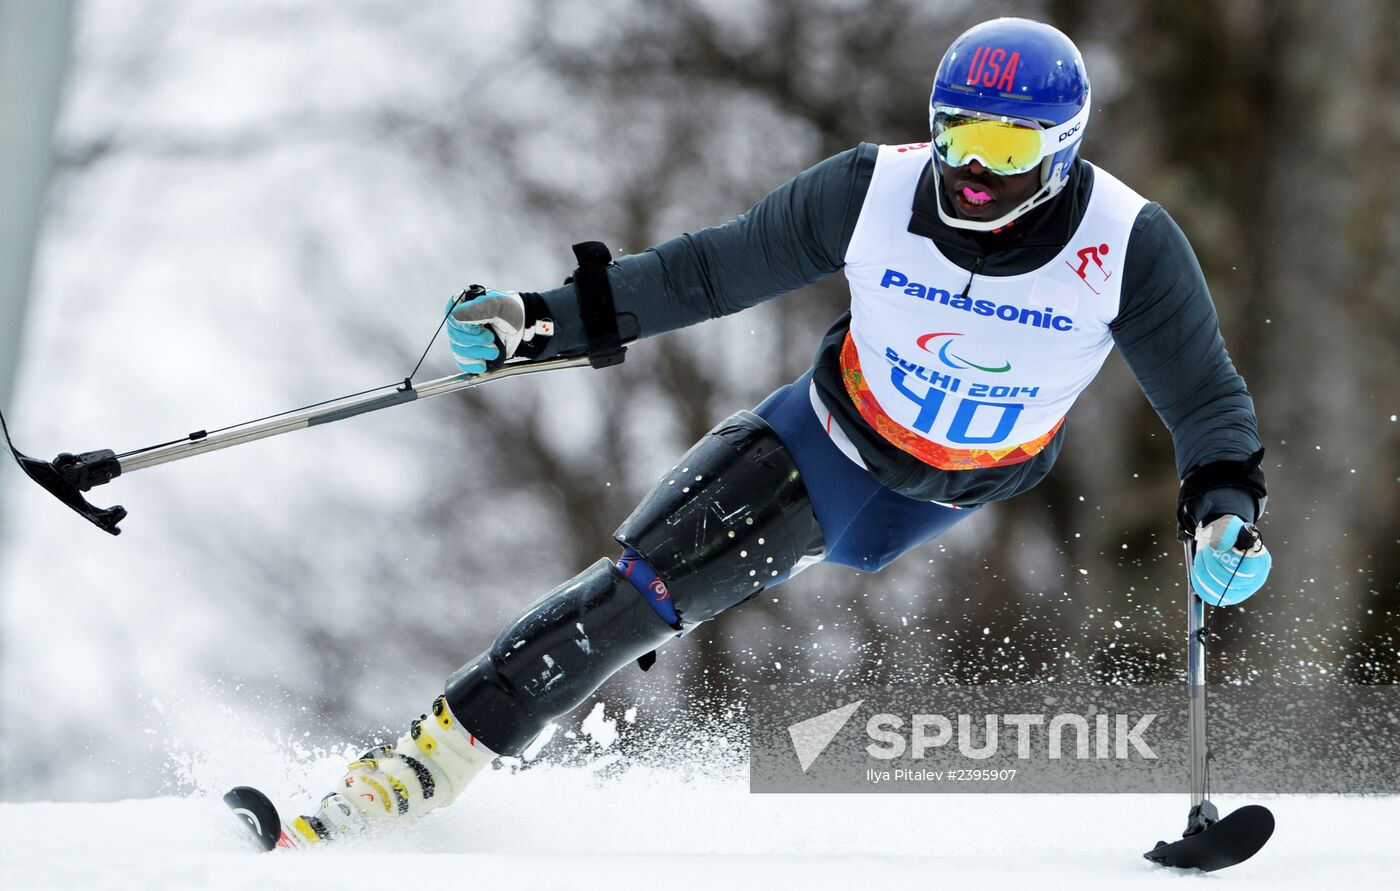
[261, 203]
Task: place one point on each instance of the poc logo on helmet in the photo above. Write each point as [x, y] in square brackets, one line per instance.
[1070, 132]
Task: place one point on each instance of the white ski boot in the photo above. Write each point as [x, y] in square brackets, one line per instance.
[427, 768]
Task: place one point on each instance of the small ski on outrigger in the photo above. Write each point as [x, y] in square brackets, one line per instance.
[1210, 842]
[257, 812]
[1218, 844]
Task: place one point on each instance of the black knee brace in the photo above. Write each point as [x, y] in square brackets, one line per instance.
[730, 518]
[553, 657]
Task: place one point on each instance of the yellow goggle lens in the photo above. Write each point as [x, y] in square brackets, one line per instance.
[1003, 148]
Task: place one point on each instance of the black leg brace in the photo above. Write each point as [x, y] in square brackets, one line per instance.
[553, 657]
[731, 518]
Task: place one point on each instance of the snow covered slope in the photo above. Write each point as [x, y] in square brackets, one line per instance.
[567, 829]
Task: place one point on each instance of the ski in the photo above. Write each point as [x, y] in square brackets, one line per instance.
[1231, 840]
[257, 812]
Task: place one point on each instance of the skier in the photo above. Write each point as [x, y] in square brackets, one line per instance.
[991, 270]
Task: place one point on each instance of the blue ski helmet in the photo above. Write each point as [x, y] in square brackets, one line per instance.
[1016, 74]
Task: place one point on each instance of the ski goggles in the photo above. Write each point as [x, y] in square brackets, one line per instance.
[1004, 145]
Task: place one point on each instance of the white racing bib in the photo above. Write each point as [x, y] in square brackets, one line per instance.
[982, 376]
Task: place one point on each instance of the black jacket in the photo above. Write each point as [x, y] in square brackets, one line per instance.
[1166, 328]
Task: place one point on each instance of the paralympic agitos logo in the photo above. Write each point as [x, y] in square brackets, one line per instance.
[1006, 312]
[953, 360]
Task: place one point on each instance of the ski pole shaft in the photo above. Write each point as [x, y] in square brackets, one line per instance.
[1196, 684]
[337, 411]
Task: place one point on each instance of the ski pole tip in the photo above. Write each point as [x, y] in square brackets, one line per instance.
[68, 476]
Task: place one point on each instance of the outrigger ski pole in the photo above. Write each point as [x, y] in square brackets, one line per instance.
[69, 475]
[1209, 842]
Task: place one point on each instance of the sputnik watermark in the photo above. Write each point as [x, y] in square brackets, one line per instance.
[1111, 735]
[1067, 738]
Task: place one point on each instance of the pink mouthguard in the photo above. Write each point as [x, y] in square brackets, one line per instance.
[975, 196]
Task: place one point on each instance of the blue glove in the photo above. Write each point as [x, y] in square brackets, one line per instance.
[472, 345]
[469, 333]
[488, 325]
[1223, 574]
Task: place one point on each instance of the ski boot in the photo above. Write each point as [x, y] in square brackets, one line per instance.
[427, 768]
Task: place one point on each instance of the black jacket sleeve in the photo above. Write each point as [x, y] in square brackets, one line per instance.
[796, 235]
[1170, 337]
